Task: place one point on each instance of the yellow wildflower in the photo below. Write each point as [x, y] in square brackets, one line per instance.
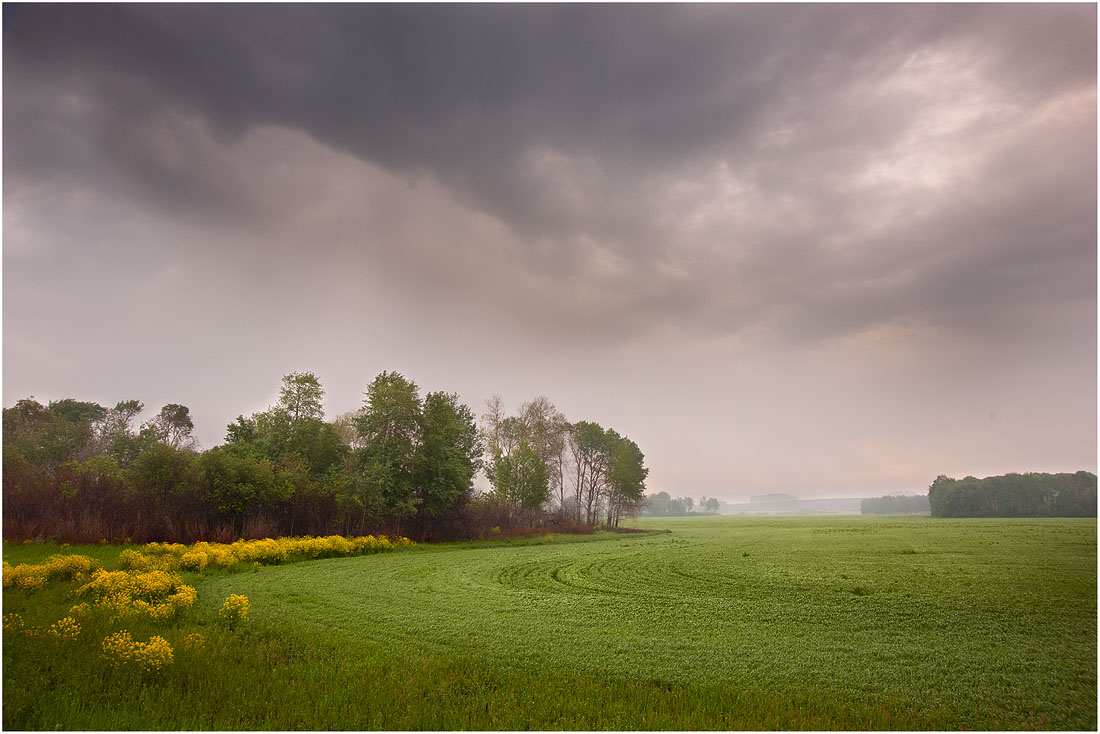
[13, 622]
[194, 561]
[235, 610]
[155, 594]
[66, 628]
[120, 649]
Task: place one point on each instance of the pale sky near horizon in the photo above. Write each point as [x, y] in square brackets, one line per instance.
[826, 250]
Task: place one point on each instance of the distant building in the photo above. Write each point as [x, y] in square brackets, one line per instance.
[770, 499]
[786, 504]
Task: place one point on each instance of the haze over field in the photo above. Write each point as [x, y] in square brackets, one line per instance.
[824, 250]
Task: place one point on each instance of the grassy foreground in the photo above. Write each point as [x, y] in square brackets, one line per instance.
[725, 623]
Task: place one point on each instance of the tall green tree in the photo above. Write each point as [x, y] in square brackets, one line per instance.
[301, 397]
[389, 427]
[76, 427]
[591, 446]
[449, 455]
[626, 476]
[545, 428]
[293, 428]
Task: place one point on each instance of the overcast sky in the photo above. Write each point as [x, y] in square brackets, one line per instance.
[829, 250]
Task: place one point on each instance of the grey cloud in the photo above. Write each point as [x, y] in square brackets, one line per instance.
[573, 125]
[465, 90]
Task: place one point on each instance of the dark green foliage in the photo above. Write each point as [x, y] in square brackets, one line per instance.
[1015, 495]
[79, 472]
[48, 437]
[899, 505]
[162, 471]
[237, 479]
[277, 435]
[318, 444]
[242, 431]
[626, 477]
[449, 455]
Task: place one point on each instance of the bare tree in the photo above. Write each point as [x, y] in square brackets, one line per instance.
[544, 427]
[492, 421]
[345, 425]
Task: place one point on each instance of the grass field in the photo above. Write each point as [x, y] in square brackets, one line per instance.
[723, 623]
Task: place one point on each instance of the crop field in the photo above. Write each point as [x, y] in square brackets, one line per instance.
[722, 623]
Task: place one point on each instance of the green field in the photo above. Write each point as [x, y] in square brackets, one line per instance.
[723, 623]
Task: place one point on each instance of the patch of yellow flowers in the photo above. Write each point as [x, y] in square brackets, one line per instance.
[269, 551]
[13, 622]
[121, 649]
[235, 610]
[168, 558]
[31, 577]
[154, 594]
[148, 585]
[66, 628]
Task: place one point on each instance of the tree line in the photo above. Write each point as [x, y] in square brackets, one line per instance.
[662, 504]
[895, 505]
[402, 463]
[1015, 495]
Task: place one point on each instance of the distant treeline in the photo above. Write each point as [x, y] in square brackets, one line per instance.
[1015, 495]
[663, 505]
[402, 463]
[895, 505]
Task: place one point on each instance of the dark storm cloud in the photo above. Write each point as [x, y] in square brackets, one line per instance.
[579, 123]
[465, 90]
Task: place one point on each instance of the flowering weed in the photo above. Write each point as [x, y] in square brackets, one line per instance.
[154, 594]
[269, 551]
[32, 577]
[66, 628]
[121, 649]
[234, 611]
